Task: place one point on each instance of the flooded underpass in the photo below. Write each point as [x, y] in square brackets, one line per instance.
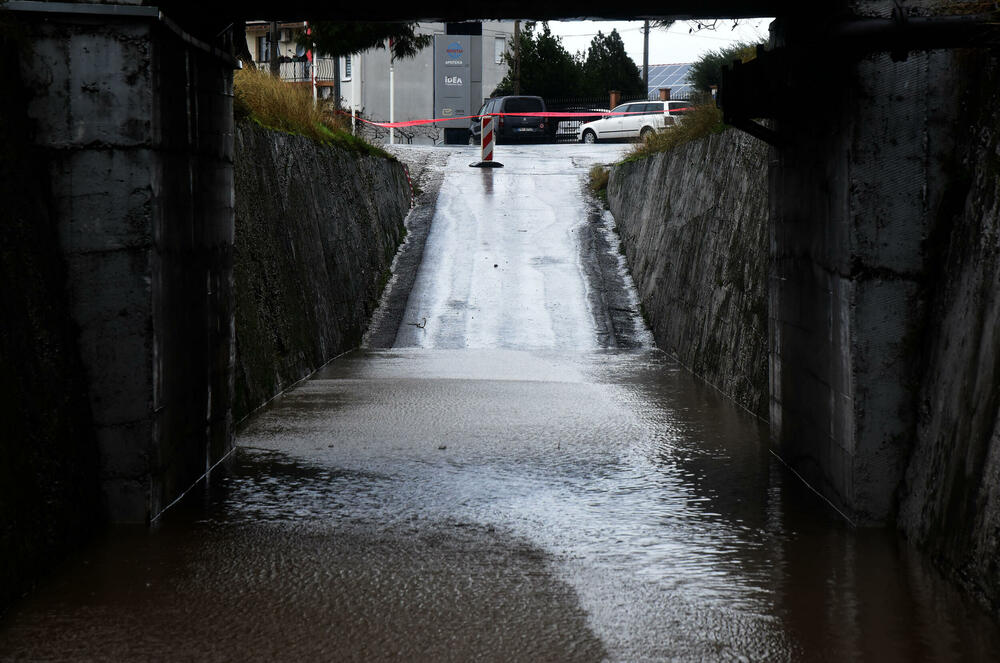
[505, 484]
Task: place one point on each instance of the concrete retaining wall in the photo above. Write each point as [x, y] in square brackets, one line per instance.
[49, 494]
[316, 231]
[950, 500]
[135, 120]
[693, 222]
[885, 349]
[883, 305]
[851, 207]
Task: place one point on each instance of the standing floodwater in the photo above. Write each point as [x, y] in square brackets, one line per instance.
[502, 486]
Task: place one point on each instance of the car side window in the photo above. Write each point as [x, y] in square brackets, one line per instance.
[620, 109]
[654, 107]
[679, 107]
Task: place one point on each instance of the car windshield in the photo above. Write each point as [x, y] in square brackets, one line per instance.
[523, 105]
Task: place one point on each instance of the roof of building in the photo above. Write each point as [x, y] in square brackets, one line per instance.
[673, 76]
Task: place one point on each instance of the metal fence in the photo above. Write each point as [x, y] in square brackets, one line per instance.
[594, 107]
[301, 71]
[375, 134]
[567, 128]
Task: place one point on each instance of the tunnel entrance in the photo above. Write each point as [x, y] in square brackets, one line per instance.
[881, 319]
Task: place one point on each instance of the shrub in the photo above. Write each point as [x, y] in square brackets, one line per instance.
[707, 70]
[599, 181]
[702, 121]
[272, 103]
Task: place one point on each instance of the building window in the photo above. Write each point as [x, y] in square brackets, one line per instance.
[262, 51]
[498, 49]
[346, 68]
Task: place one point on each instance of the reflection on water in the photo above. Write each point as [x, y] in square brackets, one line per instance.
[446, 505]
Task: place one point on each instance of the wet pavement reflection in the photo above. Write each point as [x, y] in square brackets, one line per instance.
[501, 505]
[493, 503]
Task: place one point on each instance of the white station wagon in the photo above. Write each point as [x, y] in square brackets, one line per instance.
[642, 119]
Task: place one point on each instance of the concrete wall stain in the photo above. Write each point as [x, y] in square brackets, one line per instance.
[317, 228]
[905, 290]
[950, 500]
[693, 224]
[49, 493]
[117, 170]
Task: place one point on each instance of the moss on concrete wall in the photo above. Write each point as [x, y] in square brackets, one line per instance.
[316, 231]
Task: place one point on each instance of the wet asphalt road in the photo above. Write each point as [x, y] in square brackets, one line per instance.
[506, 483]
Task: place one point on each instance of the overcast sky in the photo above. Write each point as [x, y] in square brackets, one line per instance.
[665, 46]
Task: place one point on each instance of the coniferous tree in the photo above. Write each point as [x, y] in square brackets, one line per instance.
[547, 68]
[608, 67]
[707, 70]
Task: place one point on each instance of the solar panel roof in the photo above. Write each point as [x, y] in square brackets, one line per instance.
[673, 76]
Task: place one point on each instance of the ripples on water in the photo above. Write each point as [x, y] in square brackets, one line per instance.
[657, 501]
[439, 505]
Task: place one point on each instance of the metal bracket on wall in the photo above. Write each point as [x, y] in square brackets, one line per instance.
[752, 90]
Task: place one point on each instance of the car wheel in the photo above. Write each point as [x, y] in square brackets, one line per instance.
[645, 133]
[589, 136]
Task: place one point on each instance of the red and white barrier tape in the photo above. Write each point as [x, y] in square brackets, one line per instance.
[413, 123]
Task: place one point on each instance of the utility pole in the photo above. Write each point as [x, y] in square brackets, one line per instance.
[392, 94]
[336, 84]
[311, 59]
[517, 57]
[272, 50]
[645, 56]
[355, 94]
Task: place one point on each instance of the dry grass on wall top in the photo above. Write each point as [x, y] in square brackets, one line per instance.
[275, 104]
[700, 122]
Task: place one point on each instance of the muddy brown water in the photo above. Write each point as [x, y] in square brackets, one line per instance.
[468, 498]
[500, 505]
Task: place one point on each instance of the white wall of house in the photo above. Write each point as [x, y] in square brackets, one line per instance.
[256, 32]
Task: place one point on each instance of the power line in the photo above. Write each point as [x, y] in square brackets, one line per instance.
[696, 34]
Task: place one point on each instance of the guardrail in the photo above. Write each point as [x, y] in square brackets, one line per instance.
[301, 71]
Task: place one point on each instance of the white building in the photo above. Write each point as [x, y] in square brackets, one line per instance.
[364, 77]
[365, 83]
[294, 65]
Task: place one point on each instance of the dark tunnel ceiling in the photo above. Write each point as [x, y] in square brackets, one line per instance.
[291, 10]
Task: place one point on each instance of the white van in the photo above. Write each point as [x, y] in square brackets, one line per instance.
[638, 119]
